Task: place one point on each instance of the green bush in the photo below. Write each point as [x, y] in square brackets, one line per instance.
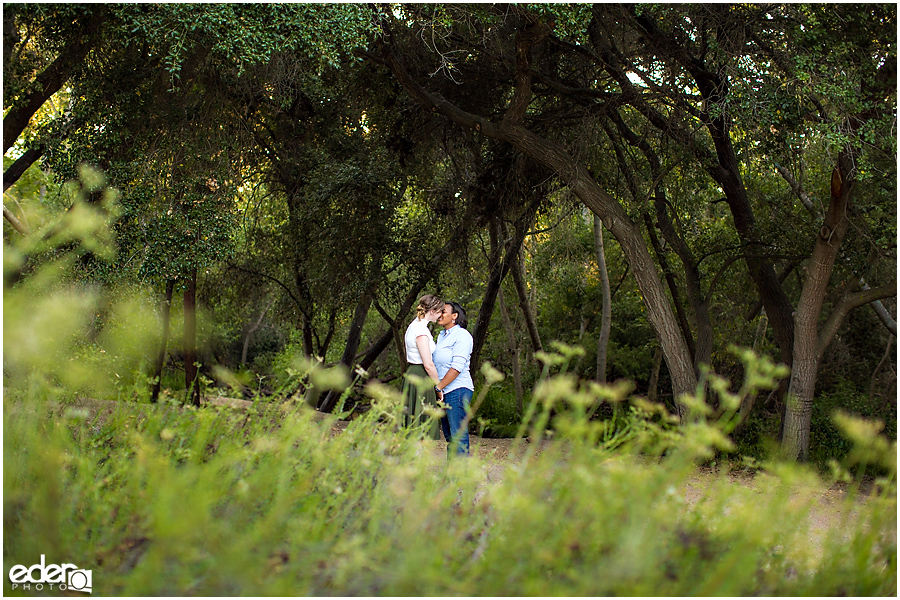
[498, 415]
[826, 441]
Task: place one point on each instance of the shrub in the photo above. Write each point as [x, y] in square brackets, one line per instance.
[498, 415]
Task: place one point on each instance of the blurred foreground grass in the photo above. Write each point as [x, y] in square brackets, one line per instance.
[179, 501]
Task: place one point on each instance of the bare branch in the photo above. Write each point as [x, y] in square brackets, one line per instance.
[881, 311]
[847, 303]
[801, 194]
[16, 223]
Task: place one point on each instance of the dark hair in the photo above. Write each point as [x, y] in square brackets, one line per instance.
[462, 320]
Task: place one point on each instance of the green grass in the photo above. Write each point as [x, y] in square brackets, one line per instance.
[166, 500]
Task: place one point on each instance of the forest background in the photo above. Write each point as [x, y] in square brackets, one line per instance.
[651, 184]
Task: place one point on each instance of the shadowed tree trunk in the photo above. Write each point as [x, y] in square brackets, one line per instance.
[653, 384]
[505, 247]
[518, 275]
[18, 168]
[513, 346]
[399, 344]
[606, 312]
[328, 402]
[191, 379]
[329, 335]
[252, 330]
[161, 355]
[874, 378]
[371, 354]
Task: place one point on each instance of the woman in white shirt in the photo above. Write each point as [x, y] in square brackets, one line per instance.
[419, 345]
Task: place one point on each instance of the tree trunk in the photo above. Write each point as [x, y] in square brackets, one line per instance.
[307, 337]
[399, 344]
[502, 259]
[401, 348]
[653, 385]
[51, 79]
[724, 168]
[807, 354]
[495, 273]
[161, 356]
[659, 312]
[673, 286]
[191, 374]
[513, 351]
[307, 309]
[354, 336]
[252, 330]
[701, 349]
[887, 355]
[518, 274]
[332, 319]
[606, 313]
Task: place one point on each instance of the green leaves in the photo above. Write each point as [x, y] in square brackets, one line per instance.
[241, 36]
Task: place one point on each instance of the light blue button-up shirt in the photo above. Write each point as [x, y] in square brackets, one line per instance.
[454, 350]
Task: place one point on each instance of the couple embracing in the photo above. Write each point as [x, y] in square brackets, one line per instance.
[446, 363]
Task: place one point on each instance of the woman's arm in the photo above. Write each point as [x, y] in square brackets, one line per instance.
[425, 353]
[448, 378]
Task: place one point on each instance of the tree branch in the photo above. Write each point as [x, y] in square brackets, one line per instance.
[18, 168]
[801, 194]
[881, 311]
[16, 223]
[51, 79]
[277, 282]
[847, 303]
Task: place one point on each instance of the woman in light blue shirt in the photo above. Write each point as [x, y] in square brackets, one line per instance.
[451, 359]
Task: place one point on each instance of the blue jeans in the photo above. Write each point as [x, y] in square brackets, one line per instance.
[458, 400]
